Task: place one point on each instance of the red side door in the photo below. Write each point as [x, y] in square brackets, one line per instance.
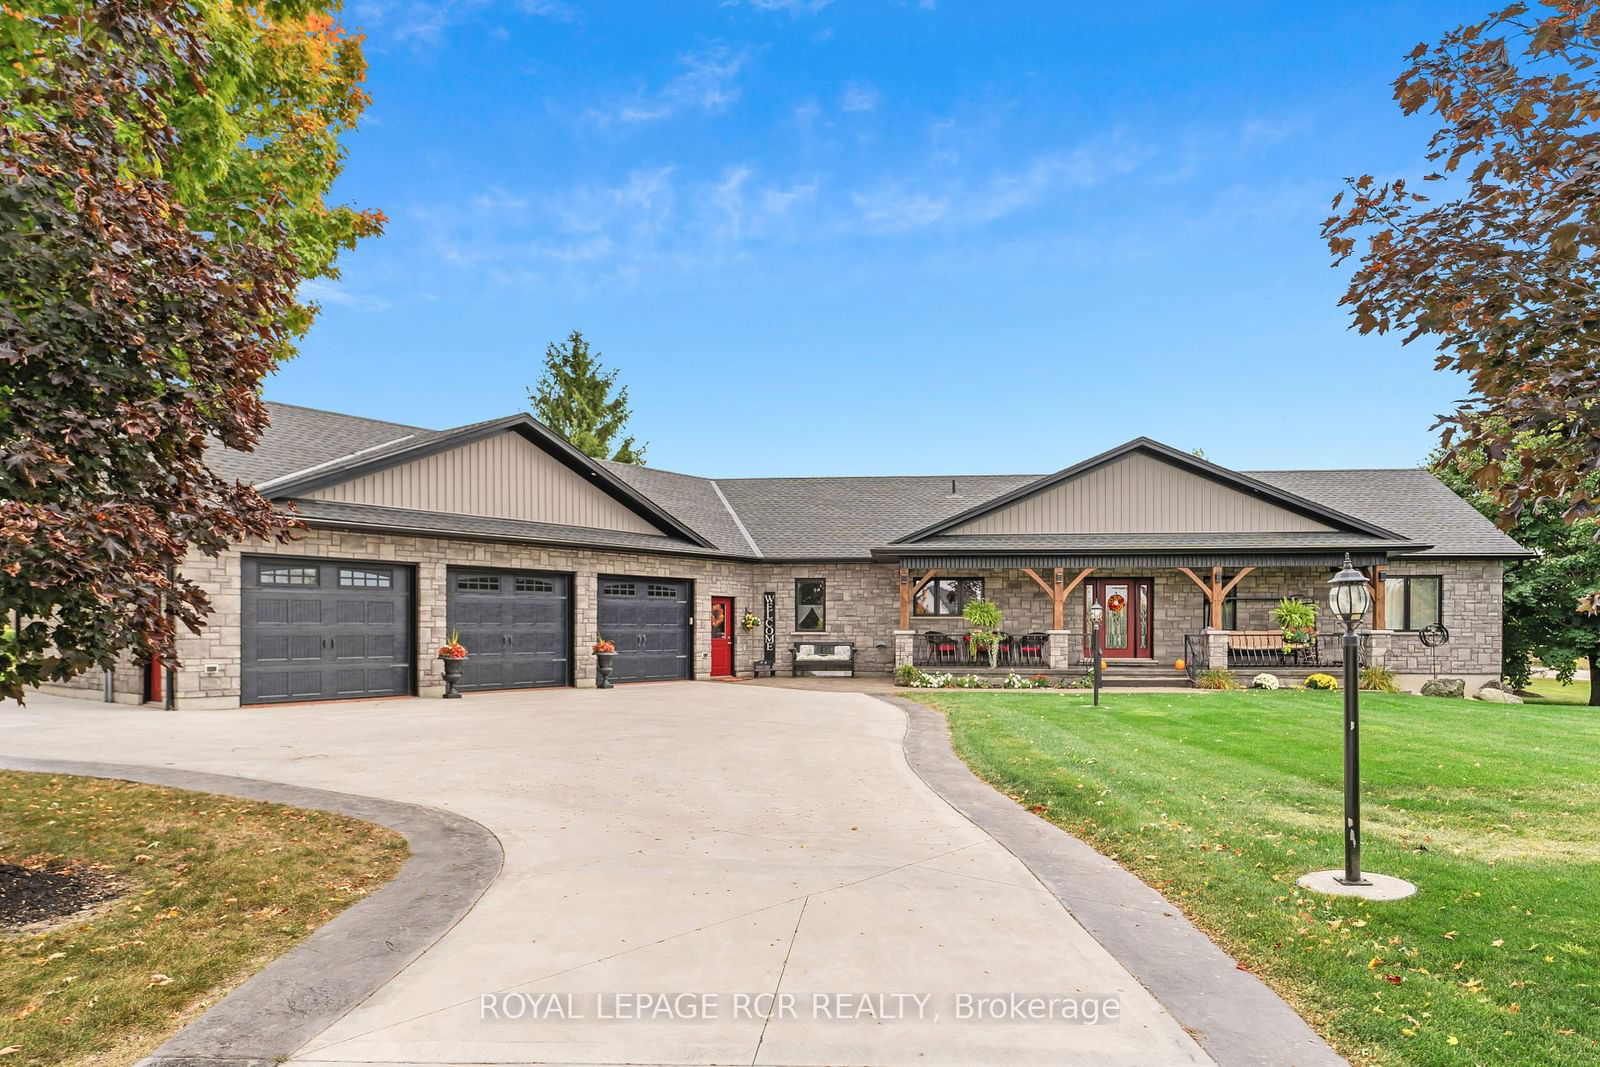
[721, 636]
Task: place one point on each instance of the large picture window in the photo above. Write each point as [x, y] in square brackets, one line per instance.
[1412, 602]
[810, 604]
[947, 596]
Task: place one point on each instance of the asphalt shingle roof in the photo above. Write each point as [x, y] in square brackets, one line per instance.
[304, 437]
[824, 518]
[1409, 501]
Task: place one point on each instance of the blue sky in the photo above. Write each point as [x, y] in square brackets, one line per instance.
[873, 236]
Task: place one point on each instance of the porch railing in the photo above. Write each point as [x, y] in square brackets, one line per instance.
[1019, 652]
[1323, 650]
[1194, 652]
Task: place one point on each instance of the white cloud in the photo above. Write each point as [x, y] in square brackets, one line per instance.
[706, 81]
[424, 22]
[325, 292]
[902, 204]
[859, 96]
[793, 7]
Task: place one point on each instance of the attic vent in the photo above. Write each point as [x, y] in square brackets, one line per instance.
[953, 488]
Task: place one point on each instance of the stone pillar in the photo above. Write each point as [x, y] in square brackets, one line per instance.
[903, 644]
[1378, 644]
[1059, 655]
[1216, 649]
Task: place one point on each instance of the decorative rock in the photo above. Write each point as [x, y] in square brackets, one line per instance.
[1445, 687]
[1497, 696]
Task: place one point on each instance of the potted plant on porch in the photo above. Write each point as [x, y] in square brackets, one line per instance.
[605, 655]
[452, 654]
[1298, 620]
[984, 638]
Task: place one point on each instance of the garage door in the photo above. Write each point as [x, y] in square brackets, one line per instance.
[648, 620]
[516, 626]
[323, 629]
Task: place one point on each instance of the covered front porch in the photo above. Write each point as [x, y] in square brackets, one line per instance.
[1165, 618]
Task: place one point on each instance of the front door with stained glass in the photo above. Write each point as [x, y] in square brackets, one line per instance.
[1128, 619]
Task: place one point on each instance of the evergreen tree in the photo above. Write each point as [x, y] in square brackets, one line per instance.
[574, 398]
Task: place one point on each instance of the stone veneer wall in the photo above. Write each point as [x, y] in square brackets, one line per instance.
[862, 607]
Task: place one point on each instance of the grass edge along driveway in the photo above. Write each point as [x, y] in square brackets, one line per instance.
[1222, 800]
[214, 889]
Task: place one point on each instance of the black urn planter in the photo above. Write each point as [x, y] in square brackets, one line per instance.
[452, 676]
[603, 662]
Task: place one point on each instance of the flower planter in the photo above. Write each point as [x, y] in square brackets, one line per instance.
[452, 675]
[604, 664]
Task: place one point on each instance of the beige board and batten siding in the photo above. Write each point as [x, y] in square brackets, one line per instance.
[504, 476]
[1138, 493]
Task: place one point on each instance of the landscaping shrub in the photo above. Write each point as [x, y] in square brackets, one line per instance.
[1017, 681]
[1264, 681]
[1216, 678]
[908, 675]
[1040, 681]
[1086, 682]
[1379, 679]
[1322, 681]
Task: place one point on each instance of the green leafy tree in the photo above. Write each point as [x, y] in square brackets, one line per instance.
[580, 400]
[163, 168]
[1499, 270]
[1544, 598]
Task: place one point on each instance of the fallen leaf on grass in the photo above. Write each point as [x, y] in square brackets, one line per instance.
[158, 979]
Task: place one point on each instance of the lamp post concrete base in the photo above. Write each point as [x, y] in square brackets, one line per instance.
[1382, 886]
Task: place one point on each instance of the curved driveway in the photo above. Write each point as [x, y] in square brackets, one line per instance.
[701, 838]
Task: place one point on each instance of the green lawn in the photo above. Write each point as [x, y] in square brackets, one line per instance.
[214, 888]
[1553, 692]
[1221, 800]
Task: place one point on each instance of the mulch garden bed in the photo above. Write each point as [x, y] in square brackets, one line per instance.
[30, 895]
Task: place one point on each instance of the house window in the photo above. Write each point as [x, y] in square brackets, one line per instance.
[352, 578]
[1414, 601]
[948, 596]
[810, 604]
[279, 575]
[535, 585]
[661, 592]
[617, 589]
[479, 583]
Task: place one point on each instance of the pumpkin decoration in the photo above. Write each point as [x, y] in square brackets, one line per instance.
[1178, 664]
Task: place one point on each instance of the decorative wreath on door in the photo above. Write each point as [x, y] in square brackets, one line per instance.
[1116, 602]
[719, 616]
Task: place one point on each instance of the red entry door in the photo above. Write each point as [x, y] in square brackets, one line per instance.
[1125, 626]
[721, 636]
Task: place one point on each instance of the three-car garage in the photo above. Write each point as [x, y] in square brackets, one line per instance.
[318, 629]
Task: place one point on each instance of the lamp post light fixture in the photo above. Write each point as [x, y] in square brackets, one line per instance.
[1349, 596]
[1096, 613]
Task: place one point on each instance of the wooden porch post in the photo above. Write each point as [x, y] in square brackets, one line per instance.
[1058, 599]
[1216, 598]
[1380, 610]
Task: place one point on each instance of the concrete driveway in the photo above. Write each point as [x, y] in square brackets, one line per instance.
[688, 838]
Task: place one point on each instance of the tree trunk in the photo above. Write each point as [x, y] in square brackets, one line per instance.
[1594, 677]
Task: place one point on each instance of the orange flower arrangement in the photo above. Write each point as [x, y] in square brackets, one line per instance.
[602, 645]
[453, 648]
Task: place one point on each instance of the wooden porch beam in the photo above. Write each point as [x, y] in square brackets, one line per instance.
[924, 580]
[1195, 578]
[1075, 583]
[1235, 581]
[1049, 590]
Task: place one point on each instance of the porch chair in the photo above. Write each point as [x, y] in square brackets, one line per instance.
[1031, 648]
[942, 648]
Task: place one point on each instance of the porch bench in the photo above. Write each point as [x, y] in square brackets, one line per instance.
[1261, 645]
[824, 659]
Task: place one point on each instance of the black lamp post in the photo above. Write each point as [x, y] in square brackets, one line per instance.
[1096, 613]
[1349, 597]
